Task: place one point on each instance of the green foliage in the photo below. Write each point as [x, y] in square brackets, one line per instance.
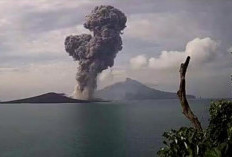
[183, 142]
[215, 141]
[220, 125]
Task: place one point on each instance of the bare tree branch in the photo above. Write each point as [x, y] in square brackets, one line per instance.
[182, 96]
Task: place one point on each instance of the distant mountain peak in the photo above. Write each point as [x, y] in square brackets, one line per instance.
[133, 89]
[129, 79]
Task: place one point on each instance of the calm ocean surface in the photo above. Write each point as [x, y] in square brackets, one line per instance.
[116, 129]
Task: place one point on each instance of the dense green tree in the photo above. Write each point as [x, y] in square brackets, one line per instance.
[215, 141]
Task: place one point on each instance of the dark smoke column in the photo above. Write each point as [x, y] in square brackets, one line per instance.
[96, 53]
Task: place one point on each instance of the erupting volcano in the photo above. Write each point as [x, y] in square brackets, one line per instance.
[96, 52]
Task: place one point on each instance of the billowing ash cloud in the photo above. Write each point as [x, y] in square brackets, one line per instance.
[96, 53]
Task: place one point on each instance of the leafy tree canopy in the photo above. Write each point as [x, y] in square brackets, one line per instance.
[215, 141]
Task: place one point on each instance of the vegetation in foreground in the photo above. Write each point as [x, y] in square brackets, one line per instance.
[215, 141]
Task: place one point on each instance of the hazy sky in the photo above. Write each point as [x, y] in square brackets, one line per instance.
[158, 37]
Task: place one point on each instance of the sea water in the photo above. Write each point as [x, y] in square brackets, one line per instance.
[112, 129]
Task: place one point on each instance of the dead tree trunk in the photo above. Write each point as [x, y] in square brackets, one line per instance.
[182, 96]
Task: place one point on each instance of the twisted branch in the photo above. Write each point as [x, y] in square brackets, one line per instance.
[182, 96]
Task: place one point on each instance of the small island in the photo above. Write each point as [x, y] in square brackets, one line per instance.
[48, 98]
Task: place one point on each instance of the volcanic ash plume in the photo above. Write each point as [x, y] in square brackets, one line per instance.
[96, 53]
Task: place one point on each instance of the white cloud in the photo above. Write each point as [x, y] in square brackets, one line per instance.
[111, 74]
[201, 51]
[167, 59]
[106, 74]
[138, 62]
